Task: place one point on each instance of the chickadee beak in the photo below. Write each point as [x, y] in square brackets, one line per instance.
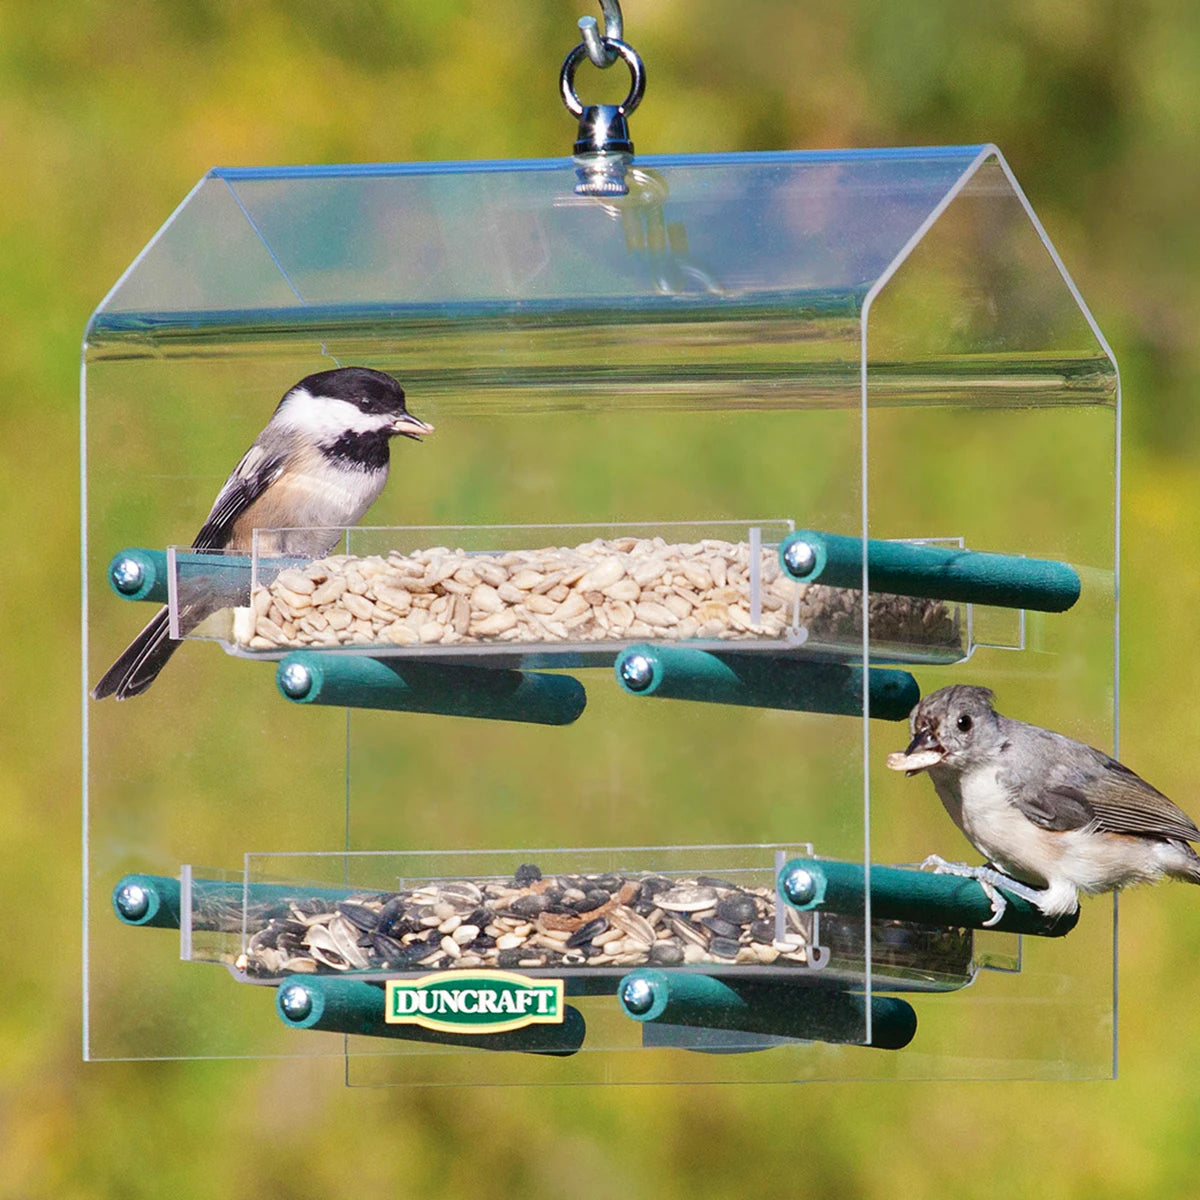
[923, 751]
[411, 427]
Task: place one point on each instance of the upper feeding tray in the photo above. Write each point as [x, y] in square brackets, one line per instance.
[540, 592]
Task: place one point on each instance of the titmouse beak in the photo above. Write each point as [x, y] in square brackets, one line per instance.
[411, 427]
[923, 751]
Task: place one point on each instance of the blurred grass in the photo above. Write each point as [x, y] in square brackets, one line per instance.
[108, 115]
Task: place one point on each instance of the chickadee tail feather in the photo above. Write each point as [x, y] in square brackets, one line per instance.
[139, 664]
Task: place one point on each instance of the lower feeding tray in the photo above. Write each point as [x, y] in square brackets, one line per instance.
[671, 945]
[586, 925]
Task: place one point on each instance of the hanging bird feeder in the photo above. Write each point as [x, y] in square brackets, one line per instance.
[785, 438]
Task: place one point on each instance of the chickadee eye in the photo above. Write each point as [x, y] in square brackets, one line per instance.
[964, 722]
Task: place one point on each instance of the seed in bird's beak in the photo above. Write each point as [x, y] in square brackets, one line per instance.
[912, 763]
[411, 427]
[923, 751]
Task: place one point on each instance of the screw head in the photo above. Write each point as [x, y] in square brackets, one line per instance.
[133, 901]
[295, 680]
[799, 886]
[127, 575]
[799, 558]
[295, 1001]
[637, 995]
[637, 672]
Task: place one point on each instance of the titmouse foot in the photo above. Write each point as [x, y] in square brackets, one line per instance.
[939, 866]
[1014, 887]
[995, 898]
[991, 881]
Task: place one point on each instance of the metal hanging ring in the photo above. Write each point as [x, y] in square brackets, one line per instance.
[633, 61]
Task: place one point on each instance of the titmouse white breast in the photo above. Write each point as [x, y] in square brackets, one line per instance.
[1046, 810]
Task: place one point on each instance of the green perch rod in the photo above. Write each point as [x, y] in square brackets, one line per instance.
[156, 901]
[904, 894]
[358, 681]
[937, 572]
[778, 1007]
[137, 574]
[354, 1006]
[760, 679]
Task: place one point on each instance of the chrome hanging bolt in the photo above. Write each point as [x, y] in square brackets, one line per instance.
[799, 886]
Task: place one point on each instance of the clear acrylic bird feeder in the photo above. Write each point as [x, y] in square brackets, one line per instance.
[745, 356]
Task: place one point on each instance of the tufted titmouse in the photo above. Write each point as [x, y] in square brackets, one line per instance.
[1047, 811]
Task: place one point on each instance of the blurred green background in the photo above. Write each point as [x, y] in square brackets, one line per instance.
[109, 114]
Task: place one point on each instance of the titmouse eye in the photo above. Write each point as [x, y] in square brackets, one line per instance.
[964, 722]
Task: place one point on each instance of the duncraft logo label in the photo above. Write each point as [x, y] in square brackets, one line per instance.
[474, 1001]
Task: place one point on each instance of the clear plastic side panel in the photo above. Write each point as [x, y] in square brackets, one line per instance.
[1012, 449]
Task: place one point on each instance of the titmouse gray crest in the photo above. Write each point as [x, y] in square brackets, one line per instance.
[1052, 813]
[317, 466]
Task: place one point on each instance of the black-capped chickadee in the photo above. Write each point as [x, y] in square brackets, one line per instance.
[1048, 811]
[317, 467]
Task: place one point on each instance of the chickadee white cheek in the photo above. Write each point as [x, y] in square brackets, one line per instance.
[322, 419]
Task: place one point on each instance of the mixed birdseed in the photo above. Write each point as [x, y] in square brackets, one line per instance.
[606, 590]
[531, 921]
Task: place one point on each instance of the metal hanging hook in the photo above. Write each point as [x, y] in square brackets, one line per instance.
[600, 54]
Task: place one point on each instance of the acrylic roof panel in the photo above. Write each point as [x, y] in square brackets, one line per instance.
[345, 239]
